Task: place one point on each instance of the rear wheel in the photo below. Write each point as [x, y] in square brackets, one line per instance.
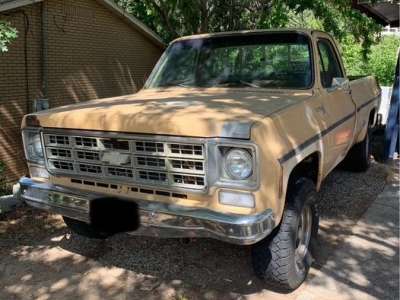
[85, 229]
[284, 257]
[359, 157]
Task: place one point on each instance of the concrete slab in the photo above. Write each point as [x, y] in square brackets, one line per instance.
[7, 202]
[366, 266]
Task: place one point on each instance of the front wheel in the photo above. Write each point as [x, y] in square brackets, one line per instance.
[284, 258]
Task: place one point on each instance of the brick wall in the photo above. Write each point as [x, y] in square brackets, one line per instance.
[90, 53]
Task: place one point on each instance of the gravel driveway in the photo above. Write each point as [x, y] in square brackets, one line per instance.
[41, 259]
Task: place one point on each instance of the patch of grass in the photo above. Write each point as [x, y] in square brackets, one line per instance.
[385, 172]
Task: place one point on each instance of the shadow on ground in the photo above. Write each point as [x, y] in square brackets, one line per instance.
[51, 263]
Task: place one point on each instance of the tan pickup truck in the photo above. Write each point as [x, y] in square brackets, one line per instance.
[229, 139]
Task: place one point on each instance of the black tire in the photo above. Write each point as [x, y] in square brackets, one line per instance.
[284, 258]
[359, 157]
[85, 229]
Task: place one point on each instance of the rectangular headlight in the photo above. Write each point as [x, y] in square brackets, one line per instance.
[33, 145]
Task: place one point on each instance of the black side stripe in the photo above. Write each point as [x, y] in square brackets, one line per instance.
[367, 103]
[320, 135]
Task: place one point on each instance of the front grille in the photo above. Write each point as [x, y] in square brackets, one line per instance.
[130, 159]
[119, 173]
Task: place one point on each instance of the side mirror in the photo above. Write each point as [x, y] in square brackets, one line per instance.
[340, 83]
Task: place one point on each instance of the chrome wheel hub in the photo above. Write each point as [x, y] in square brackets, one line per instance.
[303, 234]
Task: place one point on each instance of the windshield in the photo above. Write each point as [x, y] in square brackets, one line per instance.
[253, 60]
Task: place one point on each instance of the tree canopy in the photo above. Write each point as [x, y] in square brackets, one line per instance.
[356, 33]
[173, 18]
[7, 34]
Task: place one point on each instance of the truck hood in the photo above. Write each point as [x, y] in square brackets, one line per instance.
[178, 111]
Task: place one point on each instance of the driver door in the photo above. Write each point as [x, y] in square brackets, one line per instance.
[337, 109]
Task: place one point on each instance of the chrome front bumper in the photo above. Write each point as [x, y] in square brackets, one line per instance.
[157, 219]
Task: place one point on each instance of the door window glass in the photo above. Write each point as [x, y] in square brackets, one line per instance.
[329, 66]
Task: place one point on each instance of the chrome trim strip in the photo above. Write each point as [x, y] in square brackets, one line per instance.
[158, 219]
[122, 135]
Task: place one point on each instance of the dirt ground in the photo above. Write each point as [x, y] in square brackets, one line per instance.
[66, 266]
[41, 259]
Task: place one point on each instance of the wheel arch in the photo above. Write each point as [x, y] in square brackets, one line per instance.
[309, 167]
[373, 115]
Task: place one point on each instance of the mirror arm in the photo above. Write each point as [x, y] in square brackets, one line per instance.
[332, 88]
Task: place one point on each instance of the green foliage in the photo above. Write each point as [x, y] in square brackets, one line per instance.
[360, 53]
[7, 34]
[352, 29]
[3, 189]
[174, 18]
[352, 57]
[2, 166]
[337, 18]
[380, 61]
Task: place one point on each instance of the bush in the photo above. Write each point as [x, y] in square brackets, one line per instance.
[381, 61]
[3, 185]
